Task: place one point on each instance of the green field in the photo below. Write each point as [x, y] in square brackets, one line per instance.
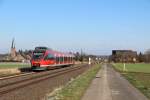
[13, 65]
[139, 67]
[137, 74]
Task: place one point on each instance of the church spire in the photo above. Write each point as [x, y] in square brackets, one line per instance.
[13, 49]
[12, 45]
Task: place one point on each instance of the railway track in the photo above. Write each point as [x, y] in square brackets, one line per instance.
[16, 75]
[9, 84]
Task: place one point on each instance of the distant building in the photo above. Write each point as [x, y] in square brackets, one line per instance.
[124, 56]
[14, 56]
[13, 53]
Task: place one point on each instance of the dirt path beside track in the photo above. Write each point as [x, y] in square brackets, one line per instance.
[110, 85]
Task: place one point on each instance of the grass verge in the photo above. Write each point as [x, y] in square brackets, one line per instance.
[139, 78]
[13, 65]
[76, 88]
[140, 81]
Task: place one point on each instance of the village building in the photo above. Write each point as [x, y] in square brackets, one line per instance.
[124, 56]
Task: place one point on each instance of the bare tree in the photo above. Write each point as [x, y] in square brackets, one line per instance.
[147, 55]
[141, 57]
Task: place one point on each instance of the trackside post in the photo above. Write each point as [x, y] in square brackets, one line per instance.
[124, 67]
[89, 61]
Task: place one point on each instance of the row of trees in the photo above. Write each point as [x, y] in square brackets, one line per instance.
[83, 57]
[26, 54]
[144, 57]
[80, 56]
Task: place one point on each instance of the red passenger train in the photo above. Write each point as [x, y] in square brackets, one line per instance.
[44, 58]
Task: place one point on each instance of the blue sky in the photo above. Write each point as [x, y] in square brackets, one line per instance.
[96, 26]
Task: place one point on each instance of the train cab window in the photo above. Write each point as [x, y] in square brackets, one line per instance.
[49, 57]
[38, 55]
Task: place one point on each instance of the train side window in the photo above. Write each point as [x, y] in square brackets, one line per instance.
[49, 57]
[61, 59]
[64, 58]
[57, 59]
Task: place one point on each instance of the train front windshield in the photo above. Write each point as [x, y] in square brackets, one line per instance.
[38, 55]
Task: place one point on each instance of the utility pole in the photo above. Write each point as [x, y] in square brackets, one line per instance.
[81, 57]
[89, 61]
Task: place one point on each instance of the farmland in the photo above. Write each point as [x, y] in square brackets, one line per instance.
[13, 65]
[139, 67]
[137, 74]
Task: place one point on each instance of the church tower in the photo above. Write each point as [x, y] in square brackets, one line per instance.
[13, 49]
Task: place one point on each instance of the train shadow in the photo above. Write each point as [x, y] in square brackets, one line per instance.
[29, 69]
[58, 67]
[25, 69]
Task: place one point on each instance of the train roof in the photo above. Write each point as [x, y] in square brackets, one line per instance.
[56, 53]
[42, 48]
